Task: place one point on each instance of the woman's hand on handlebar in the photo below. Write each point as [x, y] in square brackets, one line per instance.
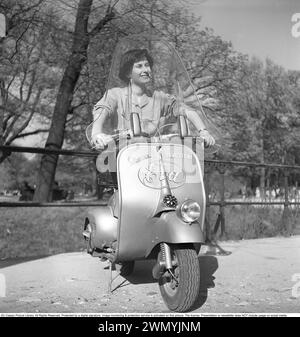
[100, 140]
[207, 137]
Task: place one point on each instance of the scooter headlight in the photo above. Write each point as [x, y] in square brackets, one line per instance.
[190, 211]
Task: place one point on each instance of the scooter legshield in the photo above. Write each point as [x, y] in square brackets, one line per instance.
[104, 227]
[141, 227]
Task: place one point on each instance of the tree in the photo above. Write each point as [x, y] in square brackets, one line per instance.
[28, 71]
[76, 60]
[263, 114]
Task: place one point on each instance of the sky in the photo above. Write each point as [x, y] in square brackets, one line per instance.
[262, 28]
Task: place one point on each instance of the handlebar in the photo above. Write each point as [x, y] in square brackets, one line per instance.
[127, 136]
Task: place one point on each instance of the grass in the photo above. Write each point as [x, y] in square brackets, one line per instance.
[29, 232]
[34, 231]
[250, 222]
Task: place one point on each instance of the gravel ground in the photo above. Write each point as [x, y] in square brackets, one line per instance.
[259, 276]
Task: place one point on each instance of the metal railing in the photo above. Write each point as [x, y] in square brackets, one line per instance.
[210, 165]
[221, 167]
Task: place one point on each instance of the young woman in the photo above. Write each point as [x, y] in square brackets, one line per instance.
[137, 96]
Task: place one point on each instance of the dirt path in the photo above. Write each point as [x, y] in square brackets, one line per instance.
[257, 277]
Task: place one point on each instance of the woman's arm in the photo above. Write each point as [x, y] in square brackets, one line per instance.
[98, 137]
[195, 119]
[102, 111]
[100, 117]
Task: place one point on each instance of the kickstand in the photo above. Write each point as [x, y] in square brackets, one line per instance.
[110, 277]
[112, 267]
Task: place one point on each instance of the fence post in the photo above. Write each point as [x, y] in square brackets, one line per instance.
[207, 175]
[222, 205]
[221, 216]
[285, 221]
[267, 191]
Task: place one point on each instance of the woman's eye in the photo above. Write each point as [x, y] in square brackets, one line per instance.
[146, 65]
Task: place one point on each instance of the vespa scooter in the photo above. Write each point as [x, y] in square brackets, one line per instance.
[157, 210]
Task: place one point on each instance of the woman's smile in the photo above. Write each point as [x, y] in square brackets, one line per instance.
[141, 72]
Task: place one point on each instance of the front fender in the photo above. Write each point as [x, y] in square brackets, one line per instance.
[171, 229]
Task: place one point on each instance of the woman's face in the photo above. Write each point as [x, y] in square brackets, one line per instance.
[141, 73]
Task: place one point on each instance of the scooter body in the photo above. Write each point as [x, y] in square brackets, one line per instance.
[136, 218]
[144, 219]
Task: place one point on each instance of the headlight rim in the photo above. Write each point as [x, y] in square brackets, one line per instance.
[181, 213]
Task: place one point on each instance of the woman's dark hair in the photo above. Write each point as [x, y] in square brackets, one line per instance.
[131, 57]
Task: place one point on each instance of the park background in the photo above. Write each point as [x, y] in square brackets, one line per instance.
[242, 57]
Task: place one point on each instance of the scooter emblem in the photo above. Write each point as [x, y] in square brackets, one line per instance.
[151, 176]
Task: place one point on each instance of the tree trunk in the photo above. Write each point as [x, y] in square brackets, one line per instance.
[65, 95]
[2, 36]
[3, 155]
[1, 113]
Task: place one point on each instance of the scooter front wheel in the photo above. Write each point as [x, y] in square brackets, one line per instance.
[180, 285]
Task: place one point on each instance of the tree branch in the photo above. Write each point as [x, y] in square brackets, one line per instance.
[25, 124]
[109, 15]
[31, 133]
[23, 10]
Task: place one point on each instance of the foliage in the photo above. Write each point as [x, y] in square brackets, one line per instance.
[17, 169]
[32, 68]
[254, 103]
[263, 119]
